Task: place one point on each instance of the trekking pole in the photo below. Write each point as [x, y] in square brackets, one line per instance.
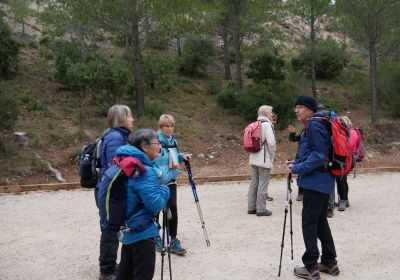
[165, 246]
[196, 199]
[288, 202]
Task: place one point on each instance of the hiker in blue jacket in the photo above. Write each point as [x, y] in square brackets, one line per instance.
[145, 198]
[167, 167]
[317, 183]
[120, 124]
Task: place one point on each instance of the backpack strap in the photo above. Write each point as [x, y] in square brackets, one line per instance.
[265, 140]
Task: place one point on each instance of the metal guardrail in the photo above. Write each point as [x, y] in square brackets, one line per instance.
[183, 181]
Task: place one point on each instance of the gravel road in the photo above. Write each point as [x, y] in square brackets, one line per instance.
[55, 235]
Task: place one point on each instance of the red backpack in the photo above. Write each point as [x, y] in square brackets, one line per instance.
[252, 137]
[341, 160]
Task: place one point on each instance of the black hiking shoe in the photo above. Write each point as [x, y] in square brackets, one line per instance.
[331, 269]
[330, 213]
[264, 213]
[304, 273]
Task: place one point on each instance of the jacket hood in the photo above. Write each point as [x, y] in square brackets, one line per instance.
[129, 150]
[166, 141]
[263, 118]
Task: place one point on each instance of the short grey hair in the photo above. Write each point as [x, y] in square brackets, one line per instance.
[143, 136]
[117, 114]
[264, 110]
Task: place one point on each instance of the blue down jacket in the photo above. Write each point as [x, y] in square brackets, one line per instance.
[165, 173]
[146, 190]
[313, 151]
[115, 138]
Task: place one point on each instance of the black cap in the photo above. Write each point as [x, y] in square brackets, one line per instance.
[307, 101]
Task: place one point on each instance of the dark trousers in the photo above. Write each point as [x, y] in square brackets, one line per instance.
[315, 226]
[342, 187]
[108, 248]
[172, 204]
[138, 261]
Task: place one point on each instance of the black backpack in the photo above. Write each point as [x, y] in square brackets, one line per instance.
[88, 162]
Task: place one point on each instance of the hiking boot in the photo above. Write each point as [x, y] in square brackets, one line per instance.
[342, 205]
[304, 273]
[331, 269]
[270, 198]
[347, 203]
[250, 212]
[104, 276]
[264, 213]
[330, 213]
[176, 247]
[299, 197]
[158, 243]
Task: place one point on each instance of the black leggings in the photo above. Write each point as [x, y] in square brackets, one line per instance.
[342, 187]
[138, 261]
[108, 247]
[172, 204]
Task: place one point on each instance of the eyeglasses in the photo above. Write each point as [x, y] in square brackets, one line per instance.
[298, 107]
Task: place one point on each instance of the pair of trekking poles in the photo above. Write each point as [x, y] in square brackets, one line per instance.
[288, 203]
[167, 216]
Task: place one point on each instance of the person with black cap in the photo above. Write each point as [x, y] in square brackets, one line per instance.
[317, 183]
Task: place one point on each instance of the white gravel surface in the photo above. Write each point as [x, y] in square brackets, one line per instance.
[55, 235]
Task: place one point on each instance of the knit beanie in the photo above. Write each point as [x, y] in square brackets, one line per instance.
[307, 101]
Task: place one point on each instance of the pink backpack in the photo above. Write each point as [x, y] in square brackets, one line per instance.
[252, 137]
[359, 147]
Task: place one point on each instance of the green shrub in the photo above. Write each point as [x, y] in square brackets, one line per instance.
[67, 54]
[389, 86]
[331, 26]
[279, 95]
[105, 80]
[154, 110]
[155, 70]
[119, 40]
[231, 54]
[265, 66]
[31, 103]
[213, 87]
[9, 48]
[196, 55]
[45, 40]
[46, 53]
[226, 98]
[330, 59]
[157, 41]
[331, 103]
[8, 111]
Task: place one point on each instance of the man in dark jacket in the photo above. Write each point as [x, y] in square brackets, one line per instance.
[317, 183]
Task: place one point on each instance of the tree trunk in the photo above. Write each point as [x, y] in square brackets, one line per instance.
[138, 67]
[236, 35]
[312, 37]
[374, 95]
[227, 65]
[178, 47]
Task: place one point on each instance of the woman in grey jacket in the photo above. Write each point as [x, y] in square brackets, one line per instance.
[261, 164]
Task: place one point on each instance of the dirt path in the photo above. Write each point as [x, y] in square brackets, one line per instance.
[54, 235]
